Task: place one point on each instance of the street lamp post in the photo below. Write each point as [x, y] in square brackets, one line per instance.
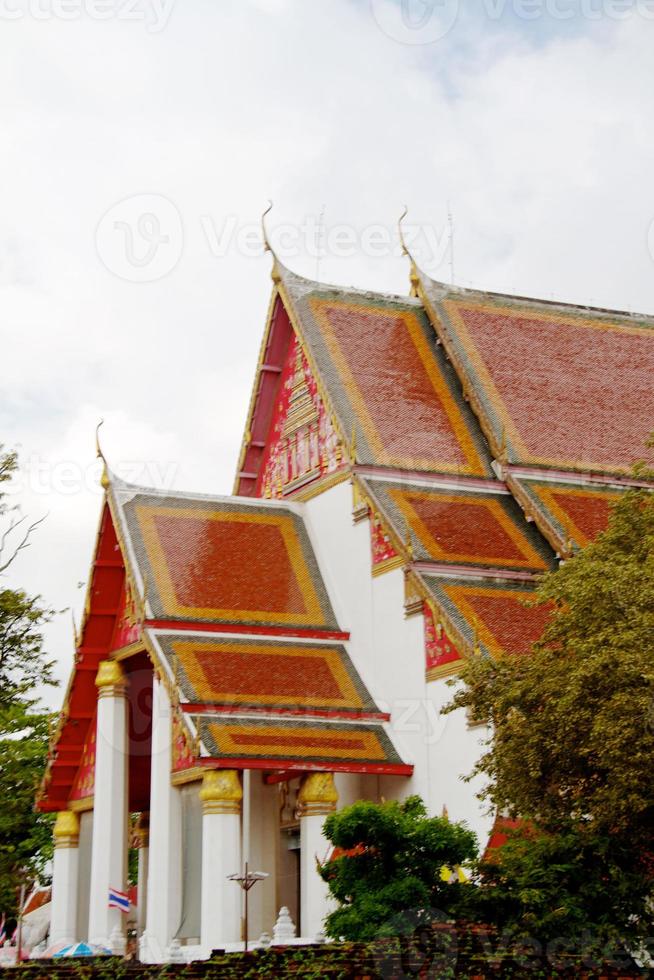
[246, 881]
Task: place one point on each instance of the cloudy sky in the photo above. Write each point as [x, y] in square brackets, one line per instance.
[141, 140]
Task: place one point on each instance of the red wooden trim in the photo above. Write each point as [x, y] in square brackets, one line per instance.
[173, 624]
[309, 713]
[271, 778]
[304, 765]
[93, 651]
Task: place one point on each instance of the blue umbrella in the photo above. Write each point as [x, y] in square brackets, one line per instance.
[81, 949]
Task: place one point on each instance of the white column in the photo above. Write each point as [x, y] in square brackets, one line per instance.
[142, 835]
[165, 837]
[221, 796]
[65, 867]
[109, 851]
[317, 798]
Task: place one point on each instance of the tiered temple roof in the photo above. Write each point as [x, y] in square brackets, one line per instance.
[485, 437]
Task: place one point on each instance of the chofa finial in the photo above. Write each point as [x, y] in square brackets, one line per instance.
[98, 449]
[405, 250]
[266, 243]
[104, 479]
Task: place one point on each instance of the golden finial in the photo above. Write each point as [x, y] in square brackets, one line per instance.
[266, 243]
[98, 450]
[104, 479]
[413, 275]
[405, 250]
[76, 635]
[444, 813]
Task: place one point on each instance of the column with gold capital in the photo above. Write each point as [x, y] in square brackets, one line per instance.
[317, 798]
[142, 842]
[65, 871]
[109, 849]
[221, 795]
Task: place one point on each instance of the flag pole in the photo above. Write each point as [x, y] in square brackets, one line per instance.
[19, 940]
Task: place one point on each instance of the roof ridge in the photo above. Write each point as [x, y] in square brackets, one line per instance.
[297, 279]
[462, 291]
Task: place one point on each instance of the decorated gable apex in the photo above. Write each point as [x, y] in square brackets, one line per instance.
[357, 352]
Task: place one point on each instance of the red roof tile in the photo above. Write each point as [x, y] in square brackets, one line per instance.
[553, 386]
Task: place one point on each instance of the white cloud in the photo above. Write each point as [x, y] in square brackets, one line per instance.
[542, 143]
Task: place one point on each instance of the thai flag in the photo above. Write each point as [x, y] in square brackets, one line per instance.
[3, 930]
[118, 900]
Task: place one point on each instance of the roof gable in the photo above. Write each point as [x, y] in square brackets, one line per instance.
[365, 346]
[459, 526]
[554, 386]
[219, 560]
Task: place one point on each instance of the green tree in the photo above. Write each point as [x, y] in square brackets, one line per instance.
[572, 732]
[391, 878]
[25, 835]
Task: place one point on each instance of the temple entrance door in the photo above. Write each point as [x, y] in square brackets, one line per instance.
[288, 852]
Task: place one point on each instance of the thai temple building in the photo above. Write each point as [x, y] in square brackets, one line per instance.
[410, 466]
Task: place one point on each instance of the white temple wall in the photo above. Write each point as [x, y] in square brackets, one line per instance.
[343, 552]
[453, 751]
[163, 915]
[84, 872]
[349, 788]
[388, 650]
[264, 833]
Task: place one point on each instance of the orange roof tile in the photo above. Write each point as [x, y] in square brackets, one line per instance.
[299, 744]
[567, 512]
[388, 382]
[223, 560]
[553, 385]
[262, 673]
[497, 616]
[461, 527]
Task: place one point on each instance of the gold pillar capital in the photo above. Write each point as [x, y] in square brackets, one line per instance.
[110, 679]
[66, 829]
[318, 794]
[221, 791]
